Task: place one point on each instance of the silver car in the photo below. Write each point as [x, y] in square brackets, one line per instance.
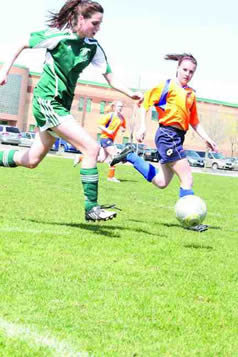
[27, 138]
[9, 134]
[216, 160]
[194, 159]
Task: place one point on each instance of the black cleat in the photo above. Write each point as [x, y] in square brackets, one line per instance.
[199, 228]
[121, 157]
[98, 213]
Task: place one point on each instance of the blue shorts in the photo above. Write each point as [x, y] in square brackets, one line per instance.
[169, 143]
[106, 142]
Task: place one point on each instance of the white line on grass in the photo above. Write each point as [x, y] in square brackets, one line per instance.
[61, 348]
[36, 231]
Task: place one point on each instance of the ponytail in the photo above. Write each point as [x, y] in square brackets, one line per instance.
[68, 15]
[181, 57]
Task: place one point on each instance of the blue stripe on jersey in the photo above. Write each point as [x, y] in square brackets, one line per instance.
[109, 121]
[162, 101]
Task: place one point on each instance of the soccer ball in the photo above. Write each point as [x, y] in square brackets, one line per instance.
[190, 210]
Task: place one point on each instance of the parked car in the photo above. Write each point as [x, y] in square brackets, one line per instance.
[234, 161]
[62, 145]
[202, 154]
[139, 148]
[27, 138]
[151, 154]
[120, 147]
[216, 160]
[9, 134]
[194, 159]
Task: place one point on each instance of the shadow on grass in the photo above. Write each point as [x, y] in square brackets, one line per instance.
[198, 246]
[124, 180]
[169, 225]
[97, 227]
[187, 230]
[176, 225]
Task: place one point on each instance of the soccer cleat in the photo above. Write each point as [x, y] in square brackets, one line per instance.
[121, 157]
[98, 213]
[198, 228]
[113, 179]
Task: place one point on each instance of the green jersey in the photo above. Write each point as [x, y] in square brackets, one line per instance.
[66, 57]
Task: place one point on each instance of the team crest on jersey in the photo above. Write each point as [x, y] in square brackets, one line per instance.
[169, 152]
[84, 54]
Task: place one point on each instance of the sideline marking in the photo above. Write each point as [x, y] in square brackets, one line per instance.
[62, 348]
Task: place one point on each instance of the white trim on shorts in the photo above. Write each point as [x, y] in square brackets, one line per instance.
[53, 119]
[175, 147]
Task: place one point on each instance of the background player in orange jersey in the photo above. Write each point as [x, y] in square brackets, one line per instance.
[109, 125]
[175, 103]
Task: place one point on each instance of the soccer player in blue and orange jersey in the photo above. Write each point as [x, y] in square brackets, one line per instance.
[175, 103]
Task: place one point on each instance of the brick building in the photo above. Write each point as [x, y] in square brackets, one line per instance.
[219, 118]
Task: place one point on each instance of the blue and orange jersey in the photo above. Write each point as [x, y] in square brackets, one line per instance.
[112, 122]
[175, 105]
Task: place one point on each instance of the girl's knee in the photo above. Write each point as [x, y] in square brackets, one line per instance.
[32, 163]
[159, 182]
[162, 185]
[93, 150]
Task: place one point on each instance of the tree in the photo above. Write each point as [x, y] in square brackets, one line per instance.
[216, 127]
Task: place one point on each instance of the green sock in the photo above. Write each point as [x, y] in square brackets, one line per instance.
[89, 178]
[6, 158]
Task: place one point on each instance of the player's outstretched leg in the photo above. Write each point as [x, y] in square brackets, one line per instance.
[142, 166]
[121, 157]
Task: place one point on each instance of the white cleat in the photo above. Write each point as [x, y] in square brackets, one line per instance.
[97, 213]
[113, 179]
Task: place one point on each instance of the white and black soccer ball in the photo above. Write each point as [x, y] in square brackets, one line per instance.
[190, 210]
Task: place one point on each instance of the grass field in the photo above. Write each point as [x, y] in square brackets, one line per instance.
[139, 285]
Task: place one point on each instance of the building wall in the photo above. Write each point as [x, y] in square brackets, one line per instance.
[219, 119]
[13, 97]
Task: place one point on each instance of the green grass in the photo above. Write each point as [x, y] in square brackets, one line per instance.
[139, 285]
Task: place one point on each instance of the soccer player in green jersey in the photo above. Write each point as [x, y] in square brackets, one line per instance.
[70, 47]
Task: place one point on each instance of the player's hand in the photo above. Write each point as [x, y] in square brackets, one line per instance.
[109, 132]
[212, 145]
[140, 135]
[3, 78]
[140, 101]
[137, 96]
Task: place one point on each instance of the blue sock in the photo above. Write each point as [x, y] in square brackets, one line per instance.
[185, 192]
[144, 168]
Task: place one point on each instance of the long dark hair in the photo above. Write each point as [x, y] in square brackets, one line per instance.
[181, 57]
[67, 16]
